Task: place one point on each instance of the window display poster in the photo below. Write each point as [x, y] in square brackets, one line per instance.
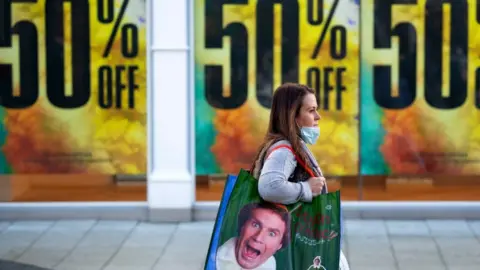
[420, 87]
[73, 87]
[246, 49]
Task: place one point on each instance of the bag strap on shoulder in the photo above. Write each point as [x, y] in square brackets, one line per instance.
[300, 161]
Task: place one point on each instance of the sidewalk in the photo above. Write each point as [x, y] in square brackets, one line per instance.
[126, 245]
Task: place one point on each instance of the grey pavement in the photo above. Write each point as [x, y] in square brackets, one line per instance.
[125, 245]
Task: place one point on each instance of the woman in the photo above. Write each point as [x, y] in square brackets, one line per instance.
[293, 122]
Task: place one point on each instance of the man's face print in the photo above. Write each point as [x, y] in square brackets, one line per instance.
[260, 237]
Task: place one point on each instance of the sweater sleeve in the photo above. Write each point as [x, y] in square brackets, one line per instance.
[273, 183]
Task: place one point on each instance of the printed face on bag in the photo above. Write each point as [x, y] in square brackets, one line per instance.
[260, 237]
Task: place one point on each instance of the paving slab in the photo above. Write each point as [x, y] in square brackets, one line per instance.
[450, 228]
[407, 228]
[4, 225]
[9, 265]
[475, 227]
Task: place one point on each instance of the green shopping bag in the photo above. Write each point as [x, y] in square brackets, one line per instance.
[253, 234]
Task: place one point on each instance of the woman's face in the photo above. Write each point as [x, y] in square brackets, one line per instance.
[308, 115]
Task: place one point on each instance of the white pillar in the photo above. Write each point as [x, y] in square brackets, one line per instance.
[171, 174]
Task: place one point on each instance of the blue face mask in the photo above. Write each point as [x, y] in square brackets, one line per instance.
[310, 134]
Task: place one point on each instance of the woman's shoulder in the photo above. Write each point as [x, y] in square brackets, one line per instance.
[283, 151]
[281, 142]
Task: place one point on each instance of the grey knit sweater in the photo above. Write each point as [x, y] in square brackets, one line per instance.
[273, 183]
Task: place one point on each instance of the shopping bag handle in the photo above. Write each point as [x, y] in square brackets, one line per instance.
[300, 161]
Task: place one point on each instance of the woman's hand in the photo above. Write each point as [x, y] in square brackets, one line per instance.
[316, 185]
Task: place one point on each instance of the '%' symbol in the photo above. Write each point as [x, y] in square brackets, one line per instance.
[129, 31]
[338, 33]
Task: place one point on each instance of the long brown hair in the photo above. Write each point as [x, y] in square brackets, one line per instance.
[286, 104]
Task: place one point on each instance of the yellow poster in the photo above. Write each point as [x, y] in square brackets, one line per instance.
[73, 87]
[245, 49]
[420, 83]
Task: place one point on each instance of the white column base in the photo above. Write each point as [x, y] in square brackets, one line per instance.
[168, 201]
[171, 197]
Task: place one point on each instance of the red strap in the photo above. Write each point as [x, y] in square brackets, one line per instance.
[283, 207]
[296, 157]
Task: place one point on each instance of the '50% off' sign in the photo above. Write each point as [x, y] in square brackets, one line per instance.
[312, 39]
[114, 81]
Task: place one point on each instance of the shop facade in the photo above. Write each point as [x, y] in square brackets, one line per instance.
[172, 188]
